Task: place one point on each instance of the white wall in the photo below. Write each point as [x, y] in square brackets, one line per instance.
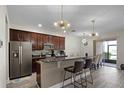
[3, 50]
[89, 48]
[120, 49]
[73, 46]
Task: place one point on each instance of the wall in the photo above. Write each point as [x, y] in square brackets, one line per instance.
[3, 50]
[73, 46]
[89, 48]
[120, 49]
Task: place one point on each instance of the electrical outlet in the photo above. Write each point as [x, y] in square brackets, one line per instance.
[1, 43]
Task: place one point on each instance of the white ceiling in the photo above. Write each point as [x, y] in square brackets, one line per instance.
[108, 18]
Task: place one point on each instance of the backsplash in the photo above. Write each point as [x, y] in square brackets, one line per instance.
[45, 52]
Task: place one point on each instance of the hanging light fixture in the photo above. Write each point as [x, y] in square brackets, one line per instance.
[63, 24]
[93, 33]
[84, 40]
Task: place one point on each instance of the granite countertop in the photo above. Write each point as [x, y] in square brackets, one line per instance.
[45, 58]
[54, 59]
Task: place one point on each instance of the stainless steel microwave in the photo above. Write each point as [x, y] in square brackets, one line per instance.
[48, 46]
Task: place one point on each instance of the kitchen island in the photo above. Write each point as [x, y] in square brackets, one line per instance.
[50, 72]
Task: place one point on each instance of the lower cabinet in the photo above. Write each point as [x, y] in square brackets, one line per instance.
[34, 65]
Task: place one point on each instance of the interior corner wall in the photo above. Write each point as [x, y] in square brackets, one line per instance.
[3, 49]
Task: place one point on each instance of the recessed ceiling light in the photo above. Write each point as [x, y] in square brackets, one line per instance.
[39, 25]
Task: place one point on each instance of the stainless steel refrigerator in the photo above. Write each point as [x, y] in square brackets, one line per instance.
[20, 59]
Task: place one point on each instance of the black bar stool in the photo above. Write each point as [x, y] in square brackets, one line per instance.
[88, 65]
[75, 70]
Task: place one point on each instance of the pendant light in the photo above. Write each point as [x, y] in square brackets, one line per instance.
[62, 24]
[93, 34]
[84, 40]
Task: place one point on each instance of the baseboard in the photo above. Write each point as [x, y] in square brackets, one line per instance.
[59, 85]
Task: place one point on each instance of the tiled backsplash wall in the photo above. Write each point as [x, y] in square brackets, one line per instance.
[45, 52]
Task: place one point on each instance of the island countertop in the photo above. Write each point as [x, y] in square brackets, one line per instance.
[57, 59]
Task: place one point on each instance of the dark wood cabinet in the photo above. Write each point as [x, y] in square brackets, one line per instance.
[56, 42]
[50, 39]
[34, 41]
[45, 38]
[18, 35]
[37, 39]
[61, 43]
[26, 36]
[15, 35]
[40, 42]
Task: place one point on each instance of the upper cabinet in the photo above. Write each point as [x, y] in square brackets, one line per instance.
[45, 38]
[61, 43]
[56, 42]
[26, 36]
[34, 39]
[40, 42]
[18, 35]
[37, 39]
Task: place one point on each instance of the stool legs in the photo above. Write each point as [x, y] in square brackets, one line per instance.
[73, 78]
[85, 77]
[81, 80]
[64, 79]
[91, 76]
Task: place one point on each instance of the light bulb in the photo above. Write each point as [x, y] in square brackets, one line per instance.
[61, 22]
[55, 24]
[68, 25]
[64, 31]
[97, 34]
[63, 27]
[90, 34]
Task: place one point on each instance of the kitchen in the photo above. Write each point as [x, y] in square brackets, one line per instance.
[45, 47]
[40, 43]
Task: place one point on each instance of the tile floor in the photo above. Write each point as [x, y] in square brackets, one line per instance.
[104, 77]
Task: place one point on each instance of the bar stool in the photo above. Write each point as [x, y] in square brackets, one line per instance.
[88, 65]
[75, 70]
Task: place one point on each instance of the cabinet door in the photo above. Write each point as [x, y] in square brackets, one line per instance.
[26, 36]
[61, 43]
[15, 35]
[45, 38]
[40, 41]
[51, 39]
[18, 35]
[34, 41]
[56, 42]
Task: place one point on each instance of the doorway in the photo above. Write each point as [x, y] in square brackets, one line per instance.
[110, 52]
[108, 49]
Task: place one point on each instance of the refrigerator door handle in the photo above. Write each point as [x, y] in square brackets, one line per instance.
[19, 54]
